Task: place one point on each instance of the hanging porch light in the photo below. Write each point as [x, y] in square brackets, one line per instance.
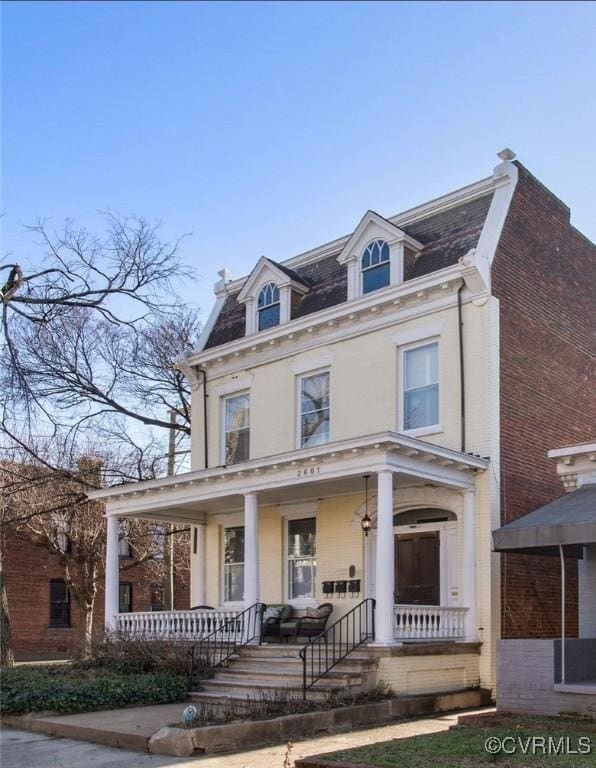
[366, 521]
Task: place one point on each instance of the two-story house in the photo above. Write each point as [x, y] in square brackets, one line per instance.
[366, 413]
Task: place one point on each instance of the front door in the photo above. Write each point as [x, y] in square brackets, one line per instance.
[417, 570]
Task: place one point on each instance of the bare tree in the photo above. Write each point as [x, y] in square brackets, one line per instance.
[52, 513]
[90, 334]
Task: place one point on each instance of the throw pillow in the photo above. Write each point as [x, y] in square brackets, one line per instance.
[315, 613]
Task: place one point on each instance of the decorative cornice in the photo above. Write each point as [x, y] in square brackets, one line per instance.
[414, 298]
[387, 450]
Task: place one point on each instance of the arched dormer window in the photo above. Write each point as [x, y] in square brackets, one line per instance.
[268, 306]
[375, 266]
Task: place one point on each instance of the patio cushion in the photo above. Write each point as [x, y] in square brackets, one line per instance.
[272, 612]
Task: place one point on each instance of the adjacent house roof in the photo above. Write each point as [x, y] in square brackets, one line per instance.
[569, 520]
[446, 236]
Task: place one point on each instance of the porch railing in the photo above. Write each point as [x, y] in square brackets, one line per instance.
[179, 625]
[429, 622]
[336, 642]
[226, 640]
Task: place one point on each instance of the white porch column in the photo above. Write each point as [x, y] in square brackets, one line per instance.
[112, 573]
[385, 563]
[198, 560]
[251, 550]
[469, 564]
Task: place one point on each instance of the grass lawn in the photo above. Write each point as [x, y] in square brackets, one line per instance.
[465, 748]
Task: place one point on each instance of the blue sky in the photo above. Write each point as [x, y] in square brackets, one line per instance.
[269, 128]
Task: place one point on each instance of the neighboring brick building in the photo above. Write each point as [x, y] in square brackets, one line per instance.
[544, 275]
[44, 625]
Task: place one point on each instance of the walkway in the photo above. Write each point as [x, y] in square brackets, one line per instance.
[21, 748]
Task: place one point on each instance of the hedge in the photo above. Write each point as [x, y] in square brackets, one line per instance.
[27, 689]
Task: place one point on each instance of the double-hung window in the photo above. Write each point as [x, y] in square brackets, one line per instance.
[237, 428]
[233, 564]
[124, 597]
[302, 557]
[59, 604]
[421, 387]
[157, 540]
[124, 540]
[314, 409]
[157, 597]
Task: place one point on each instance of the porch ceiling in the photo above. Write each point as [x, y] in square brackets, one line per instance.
[329, 470]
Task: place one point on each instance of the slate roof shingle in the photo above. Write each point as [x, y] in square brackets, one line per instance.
[446, 237]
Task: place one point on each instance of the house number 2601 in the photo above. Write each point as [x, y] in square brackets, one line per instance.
[308, 471]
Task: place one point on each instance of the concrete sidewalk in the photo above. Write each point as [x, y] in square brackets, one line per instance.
[19, 749]
[129, 728]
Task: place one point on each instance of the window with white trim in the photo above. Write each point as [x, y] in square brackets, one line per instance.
[314, 409]
[302, 557]
[421, 386]
[376, 266]
[268, 306]
[237, 428]
[233, 564]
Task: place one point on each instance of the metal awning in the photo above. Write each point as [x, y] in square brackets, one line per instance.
[569, 521]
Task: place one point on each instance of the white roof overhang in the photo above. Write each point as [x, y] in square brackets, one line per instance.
[308, 473]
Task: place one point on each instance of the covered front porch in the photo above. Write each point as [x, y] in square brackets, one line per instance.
[287, 531]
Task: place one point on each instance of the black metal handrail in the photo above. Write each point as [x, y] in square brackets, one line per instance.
[217, 647]
[324, 651]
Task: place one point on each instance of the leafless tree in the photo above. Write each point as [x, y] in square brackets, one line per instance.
[52, 512]
[89, 336]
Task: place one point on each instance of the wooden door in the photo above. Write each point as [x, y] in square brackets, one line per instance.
[417, 569]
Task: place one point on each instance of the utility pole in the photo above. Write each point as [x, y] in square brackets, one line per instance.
[169, 543]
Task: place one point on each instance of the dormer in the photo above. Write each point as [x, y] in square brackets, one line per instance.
[375, 255]
[268, 295]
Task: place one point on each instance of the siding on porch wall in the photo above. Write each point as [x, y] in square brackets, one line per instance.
[429, 674]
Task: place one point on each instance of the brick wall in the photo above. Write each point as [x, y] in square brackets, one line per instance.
[28, 571]
[544, 276]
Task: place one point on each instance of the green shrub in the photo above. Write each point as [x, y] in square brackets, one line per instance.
[34, 689]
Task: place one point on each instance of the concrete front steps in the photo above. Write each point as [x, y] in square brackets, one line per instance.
[275, 671]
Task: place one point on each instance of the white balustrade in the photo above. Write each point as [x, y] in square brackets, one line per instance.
[178, 625]
[429, 622]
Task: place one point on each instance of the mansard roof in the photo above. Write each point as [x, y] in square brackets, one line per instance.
[446, 236]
